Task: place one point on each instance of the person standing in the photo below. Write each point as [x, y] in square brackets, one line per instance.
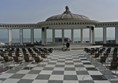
[67, 45]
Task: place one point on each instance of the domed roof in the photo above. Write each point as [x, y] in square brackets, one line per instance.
[67, 15]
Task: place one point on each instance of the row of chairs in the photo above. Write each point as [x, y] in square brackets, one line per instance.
[105, 55]
[24, 54]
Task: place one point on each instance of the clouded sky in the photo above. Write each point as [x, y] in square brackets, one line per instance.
[33, 11]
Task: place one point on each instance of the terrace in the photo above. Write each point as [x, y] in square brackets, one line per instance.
[47, 66]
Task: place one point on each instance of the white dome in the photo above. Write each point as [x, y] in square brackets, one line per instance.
[67, 15]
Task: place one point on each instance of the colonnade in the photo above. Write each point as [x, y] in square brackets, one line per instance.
[91, 35]
[105, 35]
[44, 35]
[20, 36]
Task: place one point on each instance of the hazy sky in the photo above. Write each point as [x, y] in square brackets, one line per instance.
[33, 11]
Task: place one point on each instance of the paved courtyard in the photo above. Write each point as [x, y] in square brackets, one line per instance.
[59, 67]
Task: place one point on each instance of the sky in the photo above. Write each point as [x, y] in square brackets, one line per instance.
[34, 11]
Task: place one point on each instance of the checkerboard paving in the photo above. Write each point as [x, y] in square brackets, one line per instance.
[59, 67]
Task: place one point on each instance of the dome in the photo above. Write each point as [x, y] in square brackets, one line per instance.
[67, 15]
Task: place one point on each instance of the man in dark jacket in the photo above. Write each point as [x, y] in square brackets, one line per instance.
[67, 45]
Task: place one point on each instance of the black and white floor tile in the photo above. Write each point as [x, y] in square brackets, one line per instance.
[58, 67]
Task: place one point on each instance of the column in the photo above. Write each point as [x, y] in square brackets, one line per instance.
[116, 35]
[45, 37]
[104, 35]
[93, 35]
[21, 36]
[10, 36]
[62, 36]
[53, 36]
[44, 34]
[90, 36]
[81, 33]
[72, 35]
[32, 36]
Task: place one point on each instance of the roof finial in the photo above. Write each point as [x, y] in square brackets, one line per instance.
[67, 8]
